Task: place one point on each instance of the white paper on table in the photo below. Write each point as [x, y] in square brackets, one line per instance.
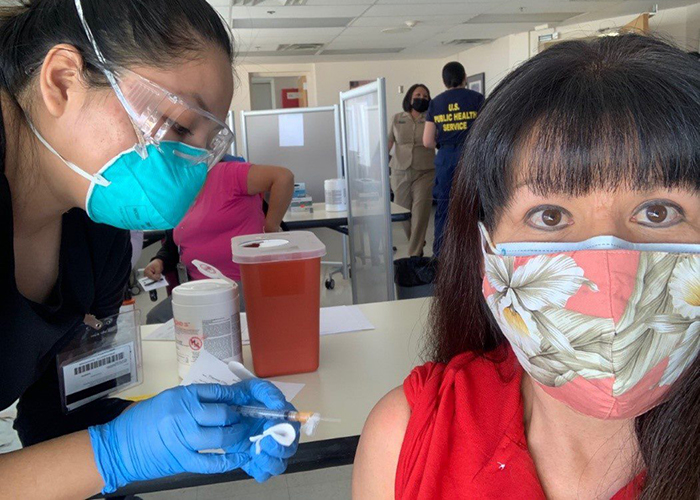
[291, 130]
[340, 319]
[343, 319]
[209, 369]
[289, 389]
[148, 284]
[166, 331]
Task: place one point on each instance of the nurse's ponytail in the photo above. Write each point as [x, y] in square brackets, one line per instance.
[157, 33]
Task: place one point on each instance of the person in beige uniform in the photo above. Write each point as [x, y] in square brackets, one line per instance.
[412, 166]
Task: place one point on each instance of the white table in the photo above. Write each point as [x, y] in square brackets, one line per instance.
[356, 370]
[333, 220]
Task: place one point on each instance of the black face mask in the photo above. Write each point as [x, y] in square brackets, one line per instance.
[420, 105]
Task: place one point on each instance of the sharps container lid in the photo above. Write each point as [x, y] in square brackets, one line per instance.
[204, 292]
[276, 247]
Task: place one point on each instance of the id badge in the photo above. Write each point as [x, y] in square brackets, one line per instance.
[102, 359]
[182, 276]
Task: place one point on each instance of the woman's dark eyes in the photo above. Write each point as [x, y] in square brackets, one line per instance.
[658, 214]
[180, 130]
[548, 218]
[653, 214]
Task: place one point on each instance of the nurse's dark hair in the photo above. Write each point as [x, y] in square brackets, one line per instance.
[408, 98]
[453, 74]
[614, 112]
[156, 33]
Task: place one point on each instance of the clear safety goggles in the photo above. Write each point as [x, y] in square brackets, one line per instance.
[159, 115]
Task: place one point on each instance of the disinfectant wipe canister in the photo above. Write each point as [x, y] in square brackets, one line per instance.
[336, 195]
[207, 316]
[281, 275]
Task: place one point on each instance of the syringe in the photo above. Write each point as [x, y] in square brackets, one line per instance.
[287, 415]
[309, 420]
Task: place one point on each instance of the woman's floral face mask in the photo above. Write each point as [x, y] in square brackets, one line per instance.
[606, 331]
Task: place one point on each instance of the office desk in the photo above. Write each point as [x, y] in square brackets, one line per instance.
[357, 370]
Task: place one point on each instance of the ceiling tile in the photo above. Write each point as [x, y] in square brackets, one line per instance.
[280, 3]
[541, 17]
[386, 21]
[540, 6]
[375, 32]
[430, 9]
[282, 23]
[305, 11]
[347, 43]
[366, 3]
[492, 31]
[294, 34]
[439, 3]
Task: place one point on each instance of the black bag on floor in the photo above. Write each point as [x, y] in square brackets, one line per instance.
[414, 277]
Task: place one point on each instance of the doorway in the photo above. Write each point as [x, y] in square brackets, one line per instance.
[278, 92]
[262, 94]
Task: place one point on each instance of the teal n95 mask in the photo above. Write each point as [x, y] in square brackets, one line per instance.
[131, 192]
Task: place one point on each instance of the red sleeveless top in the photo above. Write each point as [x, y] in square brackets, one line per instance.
[465, 438]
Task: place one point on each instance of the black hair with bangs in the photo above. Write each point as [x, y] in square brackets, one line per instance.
[608, 113]
[618, 112]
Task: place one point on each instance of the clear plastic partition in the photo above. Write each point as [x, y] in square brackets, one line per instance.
[364, 124]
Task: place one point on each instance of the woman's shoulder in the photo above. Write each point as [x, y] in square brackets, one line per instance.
[476, 373]
[227, 168]
[229, 177]
[377, 455]
[427, 387]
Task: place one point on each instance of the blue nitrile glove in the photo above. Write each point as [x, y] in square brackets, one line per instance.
[161, 436]
[272, 460]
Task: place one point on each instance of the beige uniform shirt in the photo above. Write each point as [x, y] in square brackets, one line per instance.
[407, 134]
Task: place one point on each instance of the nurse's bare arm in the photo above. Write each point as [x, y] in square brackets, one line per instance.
[429, 135]
[60, 468]
[279, 182]
[374, 472]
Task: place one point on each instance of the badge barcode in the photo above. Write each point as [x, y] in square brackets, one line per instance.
[98, 362]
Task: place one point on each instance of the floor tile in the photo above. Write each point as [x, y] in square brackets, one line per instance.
[330, 475]
[270, 495]
[241, 488]
[182, 494]
[337, 490]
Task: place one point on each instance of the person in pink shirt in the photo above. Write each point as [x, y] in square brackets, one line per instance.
[230, 204]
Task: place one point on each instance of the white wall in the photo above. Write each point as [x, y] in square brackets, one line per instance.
[332, 78]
